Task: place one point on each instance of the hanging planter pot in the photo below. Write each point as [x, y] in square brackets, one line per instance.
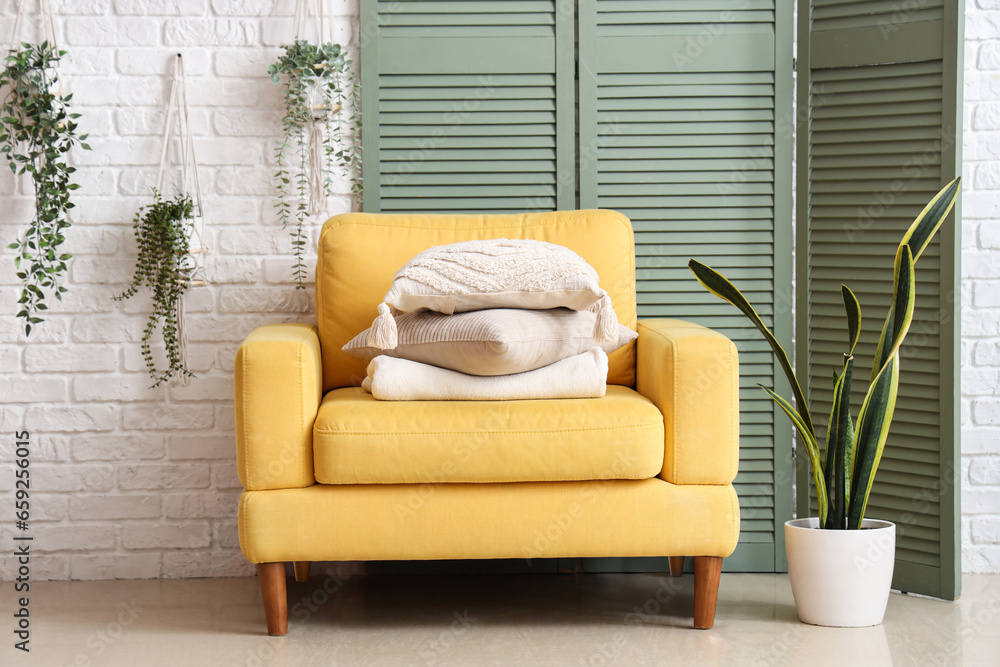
[322, 108]
[840, 578]
[162, 234]
[37, 132]
[192, 262]
[170, 234]
[179, 118]
[317, 80]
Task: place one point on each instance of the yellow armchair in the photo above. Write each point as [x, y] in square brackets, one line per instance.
[331, 474]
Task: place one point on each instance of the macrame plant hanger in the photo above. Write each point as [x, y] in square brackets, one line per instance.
[48, 26]
[192, 265]
[317, 153]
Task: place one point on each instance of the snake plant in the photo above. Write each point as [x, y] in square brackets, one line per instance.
[844, 471]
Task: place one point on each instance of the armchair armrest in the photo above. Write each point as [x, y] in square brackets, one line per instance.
[692, 375]
[279, 385]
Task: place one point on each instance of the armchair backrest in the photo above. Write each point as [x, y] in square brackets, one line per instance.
[359, 254]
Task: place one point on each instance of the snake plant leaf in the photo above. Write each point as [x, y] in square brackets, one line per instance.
[881, 353]
[812, 449]
[900, 315]
[718, 285]
[853, 309]
[847, 438]
[831, 454]
[917, 238]
[870, 436]
[840, 448]
[925, 226]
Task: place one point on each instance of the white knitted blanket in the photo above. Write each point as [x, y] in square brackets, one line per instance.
[582, 376]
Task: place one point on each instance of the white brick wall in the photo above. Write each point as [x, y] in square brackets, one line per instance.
[133, 483]
[130, 482]
[981, 291]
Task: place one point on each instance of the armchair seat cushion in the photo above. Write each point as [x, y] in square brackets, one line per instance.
[358, 440]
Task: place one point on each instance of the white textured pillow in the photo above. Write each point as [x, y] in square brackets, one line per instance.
[498, 341]
[494, 273]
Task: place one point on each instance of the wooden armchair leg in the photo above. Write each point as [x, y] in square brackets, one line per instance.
[301, 570]
[272, 589]
[676, 565]
[707, 572]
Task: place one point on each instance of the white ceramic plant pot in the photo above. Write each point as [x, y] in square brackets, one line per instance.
[840, 578]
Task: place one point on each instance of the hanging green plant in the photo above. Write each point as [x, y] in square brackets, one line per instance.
[37, 131]
[317, 81]
[162, 231]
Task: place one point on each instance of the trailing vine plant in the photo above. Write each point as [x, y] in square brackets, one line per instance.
[317, 82]
[37, 131]
[161, 231]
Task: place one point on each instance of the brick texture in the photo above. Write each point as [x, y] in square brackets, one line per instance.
[129, 481]
[140, 483]
[981, 291]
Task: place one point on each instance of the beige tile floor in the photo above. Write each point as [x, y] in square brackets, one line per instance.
[588, 620]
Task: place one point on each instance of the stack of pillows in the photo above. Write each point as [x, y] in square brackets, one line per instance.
[498, 319]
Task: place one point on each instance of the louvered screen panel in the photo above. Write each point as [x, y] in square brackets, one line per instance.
[680, 109]
[886, 15]
[468, 106]
[878, 142]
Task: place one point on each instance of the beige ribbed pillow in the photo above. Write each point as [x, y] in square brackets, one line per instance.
[497, 341]
[493, 273]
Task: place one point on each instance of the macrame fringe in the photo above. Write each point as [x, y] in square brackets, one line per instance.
[317, 189]
[183, 379]
[606, 328]
[383, 334]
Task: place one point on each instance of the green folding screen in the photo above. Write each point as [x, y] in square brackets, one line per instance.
[468, 105]
[880, 133]
[679, 113]
[685, 128]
